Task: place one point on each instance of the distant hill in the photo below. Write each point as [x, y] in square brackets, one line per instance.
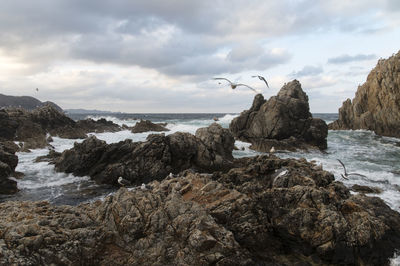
[26, 102]
[85, 111]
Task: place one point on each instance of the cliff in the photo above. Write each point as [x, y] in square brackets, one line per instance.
[25, 102]
[376, 105]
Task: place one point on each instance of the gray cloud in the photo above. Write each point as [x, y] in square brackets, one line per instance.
[349, 58]
[307, 71]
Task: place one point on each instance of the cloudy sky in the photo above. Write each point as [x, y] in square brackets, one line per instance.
[160, 56]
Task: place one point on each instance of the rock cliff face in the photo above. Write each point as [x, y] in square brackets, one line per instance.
[153, 159]
[26, 102]
[376, 105]
[8, 162]
[284, 121]
[264, 211]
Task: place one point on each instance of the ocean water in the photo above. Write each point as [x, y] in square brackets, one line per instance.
[376, 157]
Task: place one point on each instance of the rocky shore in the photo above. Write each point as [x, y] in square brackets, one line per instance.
[262, 211]
[283, 122]
[376, 105]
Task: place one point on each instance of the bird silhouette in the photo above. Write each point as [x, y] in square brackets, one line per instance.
[261, 78]
[234, 85]
[346, 175]
[37, 89]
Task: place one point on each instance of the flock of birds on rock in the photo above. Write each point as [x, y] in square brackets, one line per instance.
[235, 85]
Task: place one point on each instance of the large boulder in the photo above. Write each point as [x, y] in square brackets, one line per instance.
[146, 126]
[264, 211]
[376, 105]
[8, 162]
[153, 159]
[98, 126]
[284, 121]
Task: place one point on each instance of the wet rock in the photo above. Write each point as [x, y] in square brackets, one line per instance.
[153, 159]
[366, 189]
[284, 121]
[146, 126]
[8, 162]
[376, 105]
[98, 126]
[263, 211]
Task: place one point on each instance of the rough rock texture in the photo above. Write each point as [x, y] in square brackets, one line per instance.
[32, 128]
[98, 126]
[284, 121]
[8, 162]
[155, 158]
[376, 105]
[146, 126]
[265, 211]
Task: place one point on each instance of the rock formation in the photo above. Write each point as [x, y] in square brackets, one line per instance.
[146, 126]
[284, 121]
[376, 105]
[264, 211]
[153, 159]
[32, 127]
[8, 162]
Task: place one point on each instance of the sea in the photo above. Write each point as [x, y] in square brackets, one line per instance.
[362, 151]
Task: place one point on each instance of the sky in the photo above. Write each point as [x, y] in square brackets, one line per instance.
[154, 56]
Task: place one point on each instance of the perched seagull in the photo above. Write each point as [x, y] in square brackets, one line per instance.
[261, 78]
[272, 150]
[234, 85]
[123, 182]
[346, 175]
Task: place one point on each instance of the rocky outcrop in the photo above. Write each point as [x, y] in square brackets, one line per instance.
[146, 126]
[8, 162]
[98, 126]
[376, 105]
[153, 159]
[264, 211]
[284, 121]
[32, 127]
[25, 102]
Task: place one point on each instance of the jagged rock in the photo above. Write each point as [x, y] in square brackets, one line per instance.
[284, 121]
[376, 105]
[98, 126]
[264, 211]
[366, 189]
[26, 102]
[155, 158]
[32, 128]
[8, 162]
[146, 126]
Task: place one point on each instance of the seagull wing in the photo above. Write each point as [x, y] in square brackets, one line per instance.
[356, 174]
[262, 78]
[344, 177]
[344, 167]
[223, 79]
[240, 84]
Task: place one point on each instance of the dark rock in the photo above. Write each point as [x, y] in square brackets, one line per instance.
[98, 126]
[284, 121]
[146, 126]
[26, 102]
[153, 159]
[264, 211]
[366, 189]
[376, 105]
[8, 162]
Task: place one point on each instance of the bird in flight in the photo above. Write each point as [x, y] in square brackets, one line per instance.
[37, 89]
[261, 78]
[234, 85]
[346, 175]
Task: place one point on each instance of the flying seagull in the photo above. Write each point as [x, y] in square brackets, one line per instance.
[123, 182]
[234, 85]
[261, 78]
[346, 175]
[37, 89]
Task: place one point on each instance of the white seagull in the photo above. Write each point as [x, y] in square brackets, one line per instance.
[272, 150]
[346, 175]
[234, 85]
[123, 182]
[261, 78]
